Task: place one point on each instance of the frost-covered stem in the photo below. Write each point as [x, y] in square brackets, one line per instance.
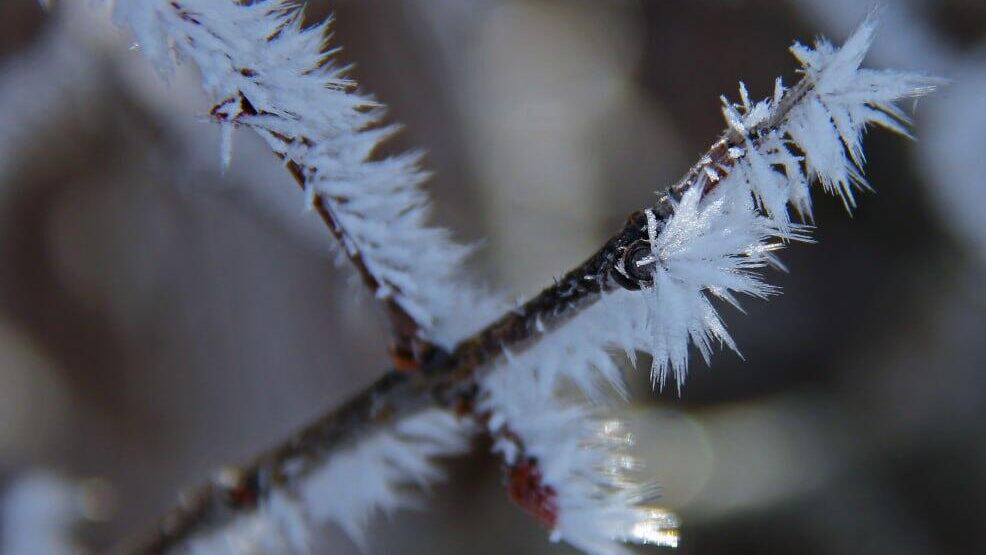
[446, 379]
[240, 489]
[267, 72]
[718, 158]
[554, 305]
[601, 272]
[408, 349]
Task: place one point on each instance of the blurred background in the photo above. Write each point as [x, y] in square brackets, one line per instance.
[159, 317]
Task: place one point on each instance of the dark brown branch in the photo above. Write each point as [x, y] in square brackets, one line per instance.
[601, 272]
[238, 490]
[408, 349]
[448, 380]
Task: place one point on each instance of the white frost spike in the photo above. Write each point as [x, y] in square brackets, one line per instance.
[733, 118]
[770, 188]
[265, 72]
[708, 246]
[226, 145]
[379, 474]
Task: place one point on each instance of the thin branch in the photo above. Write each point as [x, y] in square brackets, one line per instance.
[448, 380]
[240, 489]
[408, 350]
[610, 267]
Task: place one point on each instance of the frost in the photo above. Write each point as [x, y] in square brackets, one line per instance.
[377, 475]
[581, 456]
[828, 124]
[710, 246]
[264, 71]
[713, 245]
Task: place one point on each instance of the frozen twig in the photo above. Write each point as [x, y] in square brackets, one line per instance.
[241, 490]
[266, 72]
[647, 289]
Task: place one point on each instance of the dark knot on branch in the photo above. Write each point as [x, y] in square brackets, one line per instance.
[635, 269]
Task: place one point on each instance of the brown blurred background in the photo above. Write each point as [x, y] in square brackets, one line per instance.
[159, 318]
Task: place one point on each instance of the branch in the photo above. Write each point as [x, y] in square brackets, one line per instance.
[409, 349]
[266, 72]
[614, 265]
[696, 248]
[448, 380]
[240, 489]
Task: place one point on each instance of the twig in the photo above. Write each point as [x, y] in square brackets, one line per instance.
[237, 490]
[448, 380]
[408, 350]
[608, 268]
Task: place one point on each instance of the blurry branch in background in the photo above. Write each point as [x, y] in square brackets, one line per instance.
[647, 289]
[40, 512]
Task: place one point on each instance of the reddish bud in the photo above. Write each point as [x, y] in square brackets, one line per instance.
[527, 490]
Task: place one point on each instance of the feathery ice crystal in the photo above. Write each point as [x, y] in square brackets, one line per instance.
[265, 72]
[376, 474]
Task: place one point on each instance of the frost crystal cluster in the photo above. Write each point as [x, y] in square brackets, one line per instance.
[265, 72]
[373, 475]
[569, 465]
